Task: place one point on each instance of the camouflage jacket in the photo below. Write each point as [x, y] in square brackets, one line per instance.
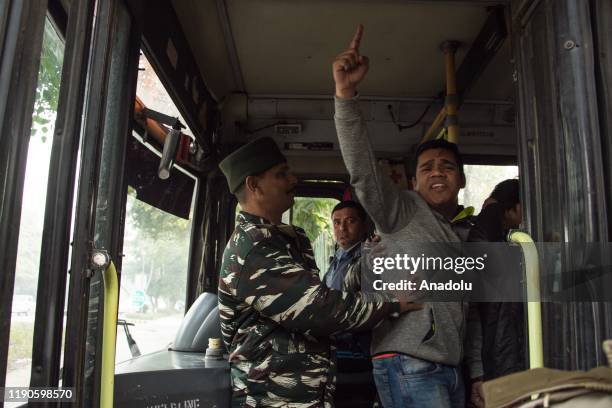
[277, 316]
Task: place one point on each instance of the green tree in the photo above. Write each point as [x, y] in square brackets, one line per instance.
[156, 247]
[313, 215]
[33, 207]
[49, 79]
[155, 223]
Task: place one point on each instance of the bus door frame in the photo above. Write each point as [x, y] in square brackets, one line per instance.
[100, 208]
[602, 22]
[55, 244]
[21, 33]
[560, 156]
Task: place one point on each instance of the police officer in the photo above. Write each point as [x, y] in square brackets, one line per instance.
[276, 316]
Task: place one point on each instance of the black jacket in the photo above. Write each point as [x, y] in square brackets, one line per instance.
[503, 340]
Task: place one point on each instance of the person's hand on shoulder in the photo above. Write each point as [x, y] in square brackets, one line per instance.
[374, 238]
[349, 67]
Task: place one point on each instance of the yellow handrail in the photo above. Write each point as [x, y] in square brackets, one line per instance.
[448, 112]
[109, 336]
[534, 307]
[449, 48]
[438, 121]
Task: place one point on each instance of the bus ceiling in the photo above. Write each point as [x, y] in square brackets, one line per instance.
[285, 48]
[267, 63]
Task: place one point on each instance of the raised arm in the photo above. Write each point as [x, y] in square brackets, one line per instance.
[389, 209]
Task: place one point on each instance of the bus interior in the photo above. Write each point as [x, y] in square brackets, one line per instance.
[185, 82]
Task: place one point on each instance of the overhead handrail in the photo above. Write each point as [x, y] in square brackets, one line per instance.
[451, 103]
[448, 113]
[534, 307]
[109, 336]
[440, 118]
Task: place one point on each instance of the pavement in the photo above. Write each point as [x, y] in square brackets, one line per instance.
[150, 335]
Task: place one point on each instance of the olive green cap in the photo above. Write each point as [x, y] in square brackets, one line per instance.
[252, 158]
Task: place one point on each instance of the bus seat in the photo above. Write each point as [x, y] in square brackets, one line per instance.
[210, 328]
[200, 322]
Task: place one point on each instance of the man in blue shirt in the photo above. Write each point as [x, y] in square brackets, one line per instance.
[350, 230]
[355, 386]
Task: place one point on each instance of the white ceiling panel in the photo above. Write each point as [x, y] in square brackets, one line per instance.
[287, 46]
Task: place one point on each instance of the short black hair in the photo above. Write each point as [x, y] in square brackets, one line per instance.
[351, 204]
[240, 193]
[438, 144]
[507, 193]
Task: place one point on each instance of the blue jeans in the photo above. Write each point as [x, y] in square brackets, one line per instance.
[404, 381]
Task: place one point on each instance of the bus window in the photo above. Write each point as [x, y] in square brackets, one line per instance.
[151, 92]
[156, 247]
[154, 276]
[33, 210]
[313, 215]
[480, 182]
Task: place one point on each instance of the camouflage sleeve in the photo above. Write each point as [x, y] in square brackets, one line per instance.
[352, 280]
[284, 291]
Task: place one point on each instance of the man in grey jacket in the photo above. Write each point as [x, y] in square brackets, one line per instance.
[417, 358]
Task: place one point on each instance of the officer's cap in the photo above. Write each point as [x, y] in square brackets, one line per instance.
[250, 159]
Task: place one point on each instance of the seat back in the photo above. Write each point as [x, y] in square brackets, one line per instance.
[200, 323]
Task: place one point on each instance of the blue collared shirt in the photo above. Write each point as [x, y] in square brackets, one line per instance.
[334, 277]
[348, 345]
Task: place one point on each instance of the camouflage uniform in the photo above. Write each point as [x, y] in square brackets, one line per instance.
[352, 279]
[276, 317]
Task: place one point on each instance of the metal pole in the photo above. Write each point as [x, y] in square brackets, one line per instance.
[109, 336]
[82, 341]
[534, 307]
[451, 102]
[448, 114]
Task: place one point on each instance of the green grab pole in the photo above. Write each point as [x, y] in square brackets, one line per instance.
[534, 306]
[109, 336]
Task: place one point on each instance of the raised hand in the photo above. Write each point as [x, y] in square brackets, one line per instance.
[349, 67]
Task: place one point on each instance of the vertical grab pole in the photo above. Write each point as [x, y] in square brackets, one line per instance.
[534, 307]
[452, 101]
[109, 336]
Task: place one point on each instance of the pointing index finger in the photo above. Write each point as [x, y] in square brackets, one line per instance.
[357, 38]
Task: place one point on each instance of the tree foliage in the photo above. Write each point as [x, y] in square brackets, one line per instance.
[33, 207]
[313, 215]
[49, 79]
[157, 252]
[154, 223]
